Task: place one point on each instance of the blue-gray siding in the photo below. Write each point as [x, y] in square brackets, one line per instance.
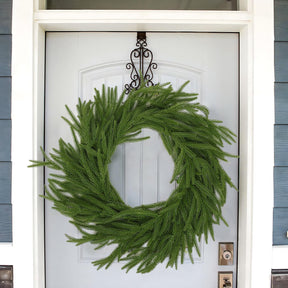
[5, 140]
[5, 182]
[5, 16]
[281, 61]
[280, 223]
[5, 55]
[5, 223]
[5, 121]
[280, 186]
[281, 20]
[281, 145]
[5, 97]
[281, 102]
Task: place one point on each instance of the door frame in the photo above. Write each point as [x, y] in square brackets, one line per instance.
[254, 23]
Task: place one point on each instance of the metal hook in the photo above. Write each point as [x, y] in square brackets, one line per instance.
[144, 71]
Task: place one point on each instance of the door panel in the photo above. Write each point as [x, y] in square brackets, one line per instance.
[79, 62]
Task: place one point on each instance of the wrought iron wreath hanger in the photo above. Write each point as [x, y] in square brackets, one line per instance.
[144, 58]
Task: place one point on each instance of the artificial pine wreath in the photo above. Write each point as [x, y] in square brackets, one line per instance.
[145, 235]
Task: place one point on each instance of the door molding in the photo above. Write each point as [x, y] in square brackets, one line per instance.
[255, 28]
[89, 74]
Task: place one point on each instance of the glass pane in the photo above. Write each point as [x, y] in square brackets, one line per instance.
[144, 4]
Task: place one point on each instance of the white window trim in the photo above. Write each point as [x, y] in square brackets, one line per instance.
[255, 26]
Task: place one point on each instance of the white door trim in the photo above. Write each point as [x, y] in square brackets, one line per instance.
[256, 120]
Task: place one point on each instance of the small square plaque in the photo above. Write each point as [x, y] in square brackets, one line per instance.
[279, 279]
[6, 276]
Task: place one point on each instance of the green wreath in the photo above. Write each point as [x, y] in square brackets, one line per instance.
[148, 234]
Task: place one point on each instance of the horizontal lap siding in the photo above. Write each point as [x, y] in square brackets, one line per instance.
[280, 222]
[5, 223]
[280, 186]
[5, 16]
[281, 103]
[281, 61]
[280, 226]
[281, 20]
[5, 182]
[281, 145]
[5, 55]
[5, 140]
[5, 121]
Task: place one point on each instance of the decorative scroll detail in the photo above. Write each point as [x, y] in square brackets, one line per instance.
[142, 53]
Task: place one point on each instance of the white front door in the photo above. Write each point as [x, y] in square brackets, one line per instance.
[76, 63]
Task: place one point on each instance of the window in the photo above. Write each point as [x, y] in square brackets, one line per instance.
[144, 4]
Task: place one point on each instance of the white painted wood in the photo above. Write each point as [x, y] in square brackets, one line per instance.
[263, 128]
[279, 257]
[39, 4]
[38, 202]
[199, 57]
[127, 20]
[23, 77]
[246, 164]
[245, 5]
